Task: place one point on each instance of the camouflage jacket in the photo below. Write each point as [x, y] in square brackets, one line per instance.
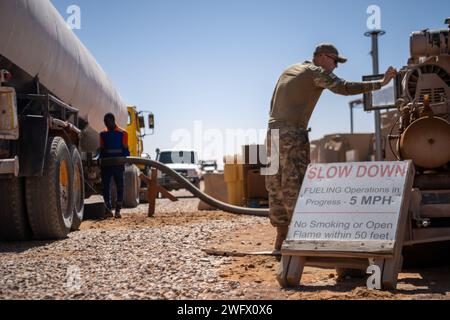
[300, 87]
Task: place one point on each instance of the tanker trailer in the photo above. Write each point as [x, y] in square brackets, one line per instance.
[53, 96]
[423, 134]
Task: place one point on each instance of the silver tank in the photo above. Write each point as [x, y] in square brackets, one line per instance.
[35, 37]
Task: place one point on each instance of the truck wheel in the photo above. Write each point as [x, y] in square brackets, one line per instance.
[143, 196]
[14, 224]
[132, 187]
[78, 190]
[50, 197]
[143, 187]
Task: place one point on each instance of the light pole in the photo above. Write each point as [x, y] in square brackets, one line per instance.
[374, 34]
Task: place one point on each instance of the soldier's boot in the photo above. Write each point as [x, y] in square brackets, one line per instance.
[282, 233]
[108, 212]
[118, 208]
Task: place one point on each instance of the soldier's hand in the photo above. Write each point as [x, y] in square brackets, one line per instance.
[389, 75]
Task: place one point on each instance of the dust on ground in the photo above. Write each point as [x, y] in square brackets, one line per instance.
[319, 283]
[165, 261]
[260, 271]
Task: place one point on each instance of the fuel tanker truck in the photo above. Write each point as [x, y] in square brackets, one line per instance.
[53, 97]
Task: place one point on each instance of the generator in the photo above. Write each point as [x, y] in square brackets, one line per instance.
[422, 134]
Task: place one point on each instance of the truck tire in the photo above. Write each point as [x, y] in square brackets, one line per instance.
[143, 196]
[50, 197]
[132, 187]
[78, 189]
[14, 224]
[143, 187]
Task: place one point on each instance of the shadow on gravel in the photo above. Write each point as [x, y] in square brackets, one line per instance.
[19, 247]
[341, 286]
[428, 281]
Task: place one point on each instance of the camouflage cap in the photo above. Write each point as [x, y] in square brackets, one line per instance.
[328, 48]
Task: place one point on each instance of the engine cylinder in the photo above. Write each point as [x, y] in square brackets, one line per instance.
[429, 43]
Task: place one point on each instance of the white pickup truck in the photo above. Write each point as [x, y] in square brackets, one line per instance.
[185, 162]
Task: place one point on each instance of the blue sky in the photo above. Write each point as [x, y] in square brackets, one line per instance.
[218, 61]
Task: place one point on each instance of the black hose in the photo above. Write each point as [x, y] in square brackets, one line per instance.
[186, 184]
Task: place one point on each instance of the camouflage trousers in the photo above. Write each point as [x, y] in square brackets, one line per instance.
[292, 151]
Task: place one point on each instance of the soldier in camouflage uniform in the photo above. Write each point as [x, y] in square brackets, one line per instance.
[295, 97]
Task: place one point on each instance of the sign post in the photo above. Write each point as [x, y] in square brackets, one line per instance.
[346, 214]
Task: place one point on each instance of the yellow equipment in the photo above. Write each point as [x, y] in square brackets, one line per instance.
[136, 133]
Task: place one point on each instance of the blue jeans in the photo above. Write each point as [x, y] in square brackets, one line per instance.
[116, 172]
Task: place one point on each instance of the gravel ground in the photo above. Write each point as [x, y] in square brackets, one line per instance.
[162, 258]
[124, 260]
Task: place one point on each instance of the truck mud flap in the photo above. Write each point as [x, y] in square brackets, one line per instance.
[32, 146]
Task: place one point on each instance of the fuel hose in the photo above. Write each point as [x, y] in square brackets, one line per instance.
[186, 184]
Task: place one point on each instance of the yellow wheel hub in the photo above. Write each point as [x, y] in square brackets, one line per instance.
[63, 174]
[64, 185]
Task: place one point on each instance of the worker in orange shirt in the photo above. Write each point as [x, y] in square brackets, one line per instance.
[113, 144]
